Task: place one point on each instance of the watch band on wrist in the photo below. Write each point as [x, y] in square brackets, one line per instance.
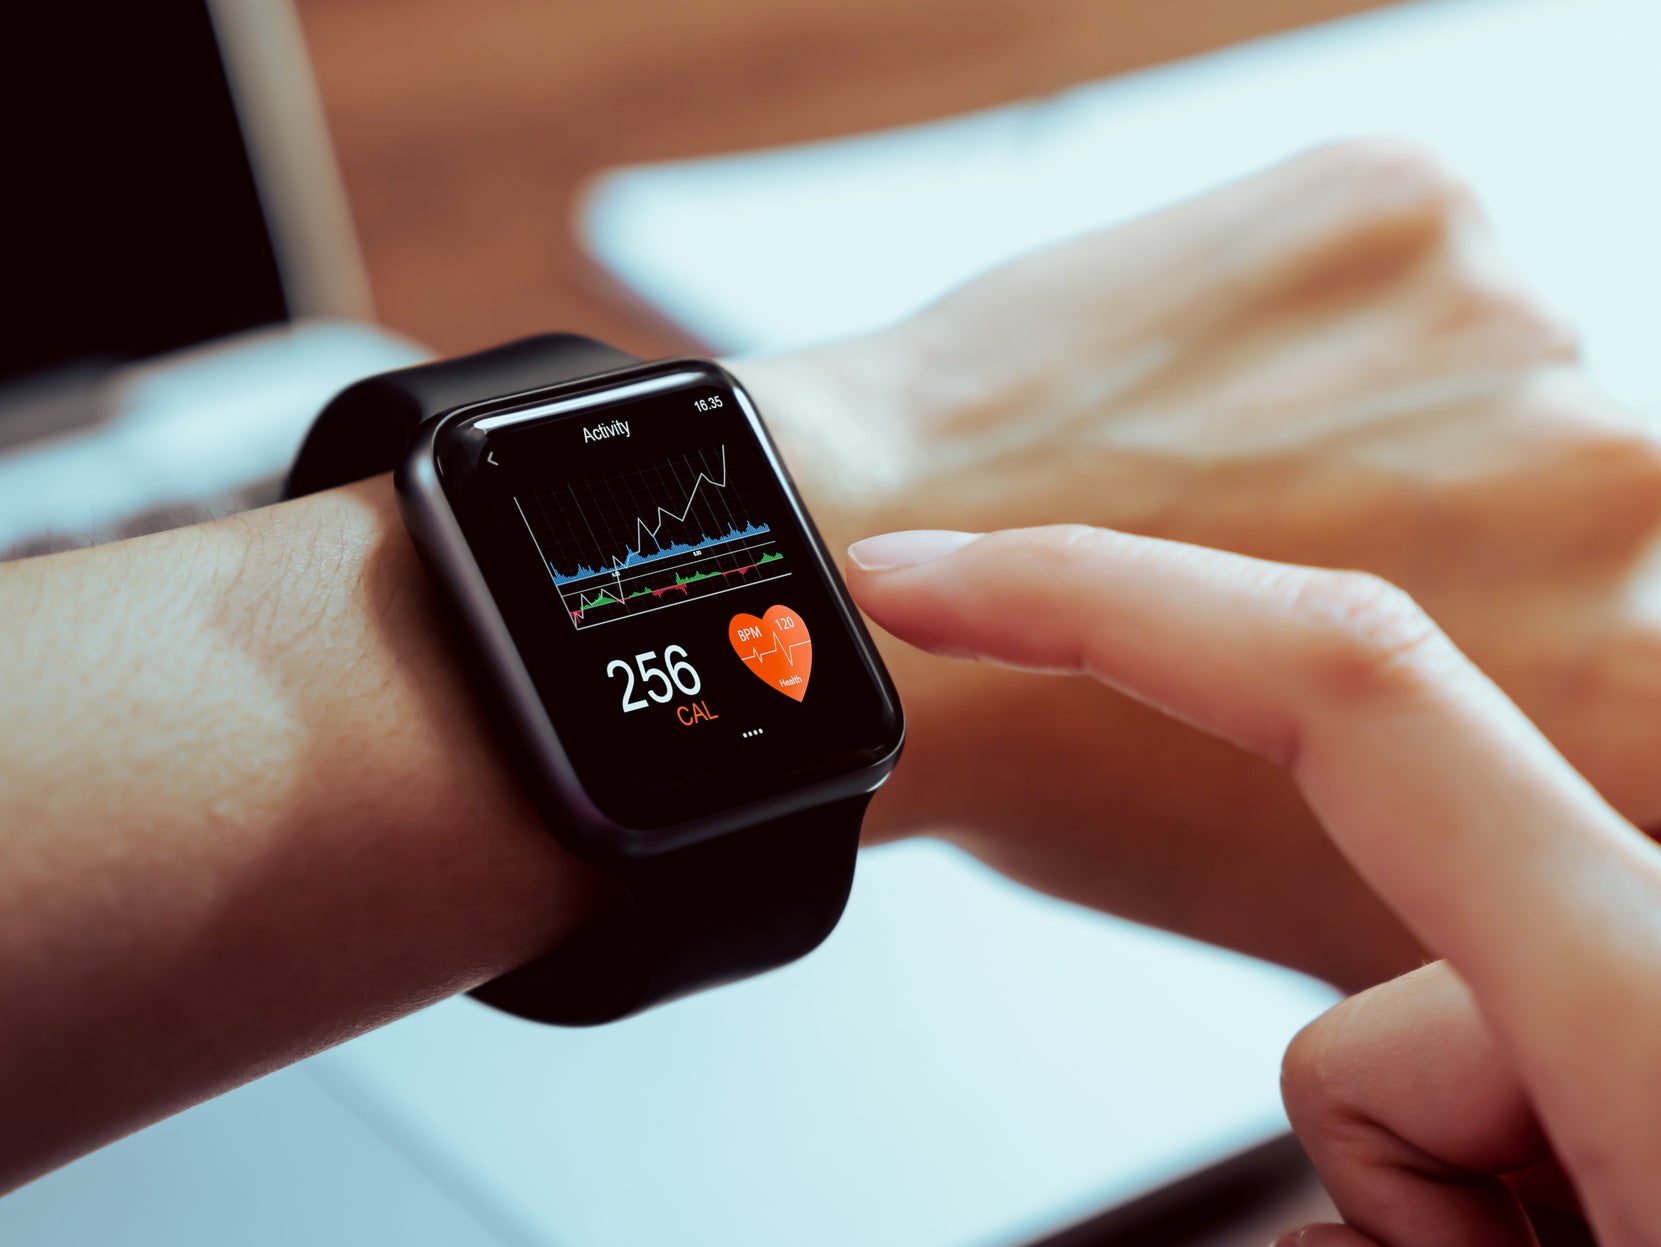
[684, 919]
[697, 917]
[363, 430]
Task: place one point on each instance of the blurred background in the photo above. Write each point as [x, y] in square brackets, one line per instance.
[221, 212]
[466, 133]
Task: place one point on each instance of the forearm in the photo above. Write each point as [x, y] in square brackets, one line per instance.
[247, 809]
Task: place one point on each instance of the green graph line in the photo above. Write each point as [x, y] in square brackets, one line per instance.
[606, 599]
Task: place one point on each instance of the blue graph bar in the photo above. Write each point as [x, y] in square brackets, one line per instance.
[633, 558]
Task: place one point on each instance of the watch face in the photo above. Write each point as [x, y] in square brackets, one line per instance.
[693, 651]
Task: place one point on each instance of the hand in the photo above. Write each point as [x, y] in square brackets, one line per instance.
[1325, 364]
[1531, 1050]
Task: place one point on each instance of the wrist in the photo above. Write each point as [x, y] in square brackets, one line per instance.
[838, 415]
[366, 662]
[271, 816]
[841, 417]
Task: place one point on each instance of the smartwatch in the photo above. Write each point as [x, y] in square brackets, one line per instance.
[663, 646]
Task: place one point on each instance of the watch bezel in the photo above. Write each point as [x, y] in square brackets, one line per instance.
[500, 672]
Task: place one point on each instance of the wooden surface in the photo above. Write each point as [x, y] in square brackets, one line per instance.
[466, 128]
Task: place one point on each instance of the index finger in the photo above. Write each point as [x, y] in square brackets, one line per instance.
[1490, 846]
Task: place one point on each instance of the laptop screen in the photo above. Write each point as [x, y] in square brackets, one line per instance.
[132, 224]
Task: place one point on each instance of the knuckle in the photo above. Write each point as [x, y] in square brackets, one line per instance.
[1079, 536]
[1082, 545]
[1632, 452]
[1369, 637]
[1411, 194]
[1405, 171]
[1332, 1081]
[1303, 1089]
[1554, 335]
[1379, 217]
[1623, 462]
[1639, 448]
[1604, 461]
[1494, 302]
[1315, 1090]
[1614, 703]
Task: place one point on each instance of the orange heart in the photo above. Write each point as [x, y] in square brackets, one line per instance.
[776, 647]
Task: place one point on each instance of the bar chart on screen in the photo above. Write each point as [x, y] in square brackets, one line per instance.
[650, 538]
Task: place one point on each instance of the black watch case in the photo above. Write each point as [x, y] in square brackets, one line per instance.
[610, 778]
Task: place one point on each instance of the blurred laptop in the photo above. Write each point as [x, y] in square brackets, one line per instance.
[182, 281]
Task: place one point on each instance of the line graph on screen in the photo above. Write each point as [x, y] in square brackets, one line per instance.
[649, 538]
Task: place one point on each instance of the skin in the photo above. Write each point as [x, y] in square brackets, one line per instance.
[1326, 364]
[1466, 1103]
[249, 809]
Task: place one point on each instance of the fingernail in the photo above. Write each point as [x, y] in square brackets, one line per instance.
[891, 551]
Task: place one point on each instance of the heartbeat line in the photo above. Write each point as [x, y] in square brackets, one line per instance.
[756, 655]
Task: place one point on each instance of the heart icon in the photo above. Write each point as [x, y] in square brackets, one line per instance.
[776, 647]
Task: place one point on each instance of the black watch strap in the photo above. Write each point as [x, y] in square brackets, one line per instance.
[364, 429]
[684, 920]
[697, 917]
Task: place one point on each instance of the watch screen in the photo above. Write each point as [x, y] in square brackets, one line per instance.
[686, 639]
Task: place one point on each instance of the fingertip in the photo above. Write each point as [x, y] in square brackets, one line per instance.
[888, 552]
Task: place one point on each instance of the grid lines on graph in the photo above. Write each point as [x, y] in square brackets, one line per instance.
[650, 537]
